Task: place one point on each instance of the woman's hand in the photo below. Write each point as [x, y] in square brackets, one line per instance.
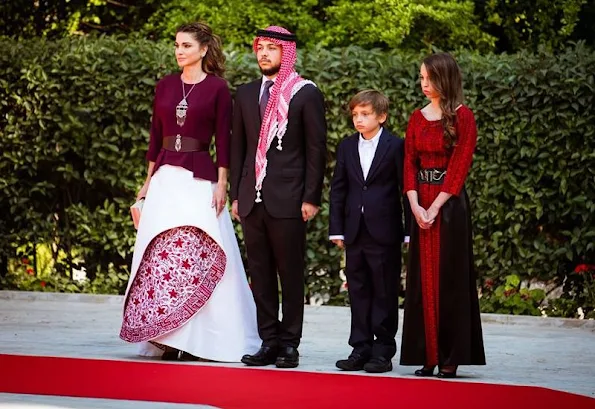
[421, 217]
[219, 197]
[432, 213]
[143, 191]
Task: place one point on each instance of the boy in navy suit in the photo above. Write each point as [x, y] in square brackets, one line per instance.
[366, 217]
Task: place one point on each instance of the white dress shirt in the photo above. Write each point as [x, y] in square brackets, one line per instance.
[367, 151]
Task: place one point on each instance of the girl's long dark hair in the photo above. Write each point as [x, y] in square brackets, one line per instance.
[445, 75]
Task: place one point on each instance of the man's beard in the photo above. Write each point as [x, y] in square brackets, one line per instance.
[270, 71]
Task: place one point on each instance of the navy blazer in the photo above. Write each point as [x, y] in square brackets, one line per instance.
[380, 194]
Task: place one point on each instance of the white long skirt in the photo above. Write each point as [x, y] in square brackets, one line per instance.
[215, 320]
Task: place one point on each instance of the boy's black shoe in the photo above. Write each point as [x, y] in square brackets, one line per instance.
[355, 362]
[378, 364]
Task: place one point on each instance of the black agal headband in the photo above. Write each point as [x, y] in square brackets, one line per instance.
[275, 35]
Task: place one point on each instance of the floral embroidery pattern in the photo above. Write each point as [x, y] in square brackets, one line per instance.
[177, 275]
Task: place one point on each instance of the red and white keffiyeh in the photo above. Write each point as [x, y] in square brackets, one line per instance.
[287, 84]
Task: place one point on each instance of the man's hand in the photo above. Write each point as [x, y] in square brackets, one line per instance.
[308, 211]
[234, 211]
[339, 243]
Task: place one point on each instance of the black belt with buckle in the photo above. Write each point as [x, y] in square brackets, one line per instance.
[180, 143]
[432, 176]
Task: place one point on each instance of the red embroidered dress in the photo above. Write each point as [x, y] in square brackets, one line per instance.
[440, 278]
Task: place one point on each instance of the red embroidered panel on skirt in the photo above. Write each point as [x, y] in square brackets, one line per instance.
[429, 249]
[176, 277]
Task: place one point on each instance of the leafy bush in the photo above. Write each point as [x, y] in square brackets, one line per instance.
[497, 25]
[522, 24]
[510, 298]
[74, 116]
[578, 294]
[406, 24]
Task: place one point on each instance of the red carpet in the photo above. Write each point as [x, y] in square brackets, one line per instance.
[229, 388]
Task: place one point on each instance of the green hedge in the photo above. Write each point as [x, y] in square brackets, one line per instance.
[73, 133]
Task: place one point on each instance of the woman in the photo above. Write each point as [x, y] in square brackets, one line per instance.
[442, 324]
[188, 295]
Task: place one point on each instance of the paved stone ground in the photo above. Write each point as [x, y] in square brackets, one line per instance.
[548, 352]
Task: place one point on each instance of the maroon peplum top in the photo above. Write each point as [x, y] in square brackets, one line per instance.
[208, 114]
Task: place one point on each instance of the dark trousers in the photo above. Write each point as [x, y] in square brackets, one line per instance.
[373, 273]
[276, 246]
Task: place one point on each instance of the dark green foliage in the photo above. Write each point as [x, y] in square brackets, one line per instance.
[483, 25]
[74, 116]
[59, 18]
[529, 24]
[74, 123]
[406, 24]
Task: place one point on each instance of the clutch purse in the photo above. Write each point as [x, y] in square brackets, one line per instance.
[135, 211]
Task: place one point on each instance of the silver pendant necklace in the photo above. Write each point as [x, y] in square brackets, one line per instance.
[182, 106]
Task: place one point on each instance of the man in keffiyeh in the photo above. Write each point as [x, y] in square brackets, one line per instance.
[278, 158]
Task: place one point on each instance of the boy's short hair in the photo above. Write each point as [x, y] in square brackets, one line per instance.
[372, 97]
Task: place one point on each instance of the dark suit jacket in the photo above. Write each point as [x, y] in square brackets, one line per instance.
[295, 174]
[381, 194]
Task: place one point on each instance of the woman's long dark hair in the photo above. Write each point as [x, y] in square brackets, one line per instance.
[445, 76]
[214, 60]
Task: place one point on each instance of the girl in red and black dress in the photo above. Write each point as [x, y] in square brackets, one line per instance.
[442, 325]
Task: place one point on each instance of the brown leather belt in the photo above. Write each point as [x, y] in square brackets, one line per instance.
[180, 143]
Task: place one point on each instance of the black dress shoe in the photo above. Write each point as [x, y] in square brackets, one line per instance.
[264, 356]
[378, 364]
[424, 371]
[288, 358]
[355, 362]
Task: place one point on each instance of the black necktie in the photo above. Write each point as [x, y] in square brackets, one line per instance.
[264, 100]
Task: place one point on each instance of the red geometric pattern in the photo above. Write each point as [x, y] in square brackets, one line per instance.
[178, 273]
[429, 248]
[425, 148]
